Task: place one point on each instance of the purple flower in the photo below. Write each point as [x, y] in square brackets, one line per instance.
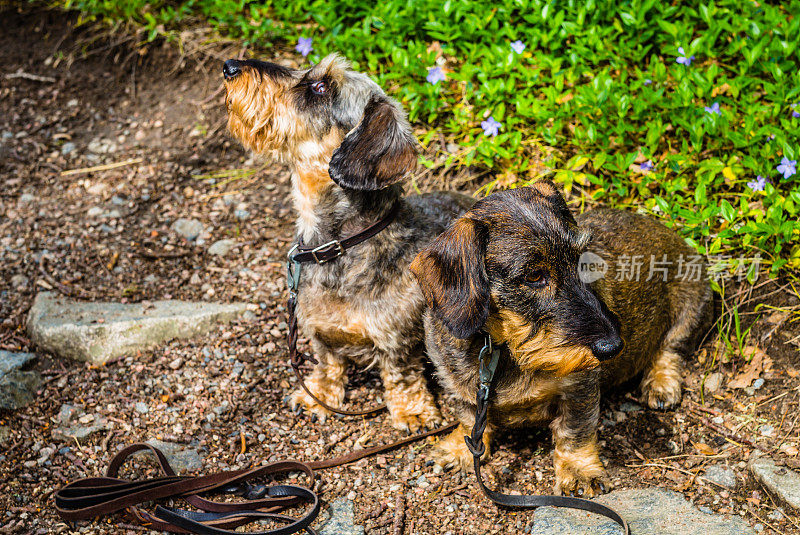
[758, 184]
[683, 59]
[647, 166]
[787, 167]
[648, 81]
[435, 75]
[490, 127]
[518, 46]
[713, 109]
[795, 114]
[304, 46]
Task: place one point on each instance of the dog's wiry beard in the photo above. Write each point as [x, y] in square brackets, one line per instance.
[545, 350]
[260, 117]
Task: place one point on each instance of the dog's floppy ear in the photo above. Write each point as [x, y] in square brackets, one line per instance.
[551, 192]
[452, 275]
[378, 152]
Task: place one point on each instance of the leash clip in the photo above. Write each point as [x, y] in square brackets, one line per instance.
[486, 369]
[292, 271]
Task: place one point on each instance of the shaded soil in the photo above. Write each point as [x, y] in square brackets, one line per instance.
[106, 235]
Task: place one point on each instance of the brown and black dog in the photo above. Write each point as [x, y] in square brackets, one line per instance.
[349, 147]
[509, 268]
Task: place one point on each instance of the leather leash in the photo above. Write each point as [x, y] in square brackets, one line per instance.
[92, 497]
[477, 448]
[323, 254]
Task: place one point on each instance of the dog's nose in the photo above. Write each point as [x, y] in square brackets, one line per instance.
[607, 348]
[231, 69]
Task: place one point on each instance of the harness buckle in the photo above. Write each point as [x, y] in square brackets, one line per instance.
[333, 245]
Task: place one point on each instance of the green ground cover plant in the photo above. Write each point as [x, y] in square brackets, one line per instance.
[690, 112]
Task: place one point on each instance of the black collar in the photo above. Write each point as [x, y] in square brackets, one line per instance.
[336, 248]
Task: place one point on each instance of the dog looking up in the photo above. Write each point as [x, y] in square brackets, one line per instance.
[509, 268]
[348, 146]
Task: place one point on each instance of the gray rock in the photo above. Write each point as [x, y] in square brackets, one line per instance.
[779, 480]
[141, 407]
[19, 281]
[97, 332]
[26, 198]
[342, 520]
[221, 247]
[628, 406]
[721, 475]
[76, 424]
[181, 458]
[102, 146]
[241, 214]
[67, 148]
[14, 361]
[648, 511]
[17, 387]
[5, 434]
[188, 228]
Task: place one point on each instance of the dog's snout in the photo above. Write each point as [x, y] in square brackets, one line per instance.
[231, 69]
[608, 347]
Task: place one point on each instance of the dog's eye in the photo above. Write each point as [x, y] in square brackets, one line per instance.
[320, 88]
[537, 278]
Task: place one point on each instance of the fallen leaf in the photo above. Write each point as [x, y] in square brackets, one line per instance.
[777, 317]
[564, 98]
[720, 89]
[758, 363]
[703, 448]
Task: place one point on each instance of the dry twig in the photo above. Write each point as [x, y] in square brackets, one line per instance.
[399, 514]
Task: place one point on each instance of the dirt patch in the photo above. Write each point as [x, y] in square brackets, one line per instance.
[107, 235]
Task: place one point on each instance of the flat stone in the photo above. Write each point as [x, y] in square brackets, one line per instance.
[188, 228]
[17, 387]
[99, 331]
[221, 247]
[721, 475]
[779, 480]
[5, 434]
[648, 511]
[180, 458]
[14, 361]
[342, 520]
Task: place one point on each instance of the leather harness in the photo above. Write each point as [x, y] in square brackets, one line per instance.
[99, 496]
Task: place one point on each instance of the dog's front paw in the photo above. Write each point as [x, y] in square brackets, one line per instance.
[581, 484]
[452, 451]
[411, 408]
[327, 391]
[661, 386]
[580, 473]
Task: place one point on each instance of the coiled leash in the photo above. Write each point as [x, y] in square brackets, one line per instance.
[92, 497]
[299, 255]
[478, 448]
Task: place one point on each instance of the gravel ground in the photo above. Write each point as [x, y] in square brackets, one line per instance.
[108, 235]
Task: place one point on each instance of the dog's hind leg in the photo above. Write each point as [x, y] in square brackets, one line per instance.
[326, 381]
[661, 385]
[410, 403]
